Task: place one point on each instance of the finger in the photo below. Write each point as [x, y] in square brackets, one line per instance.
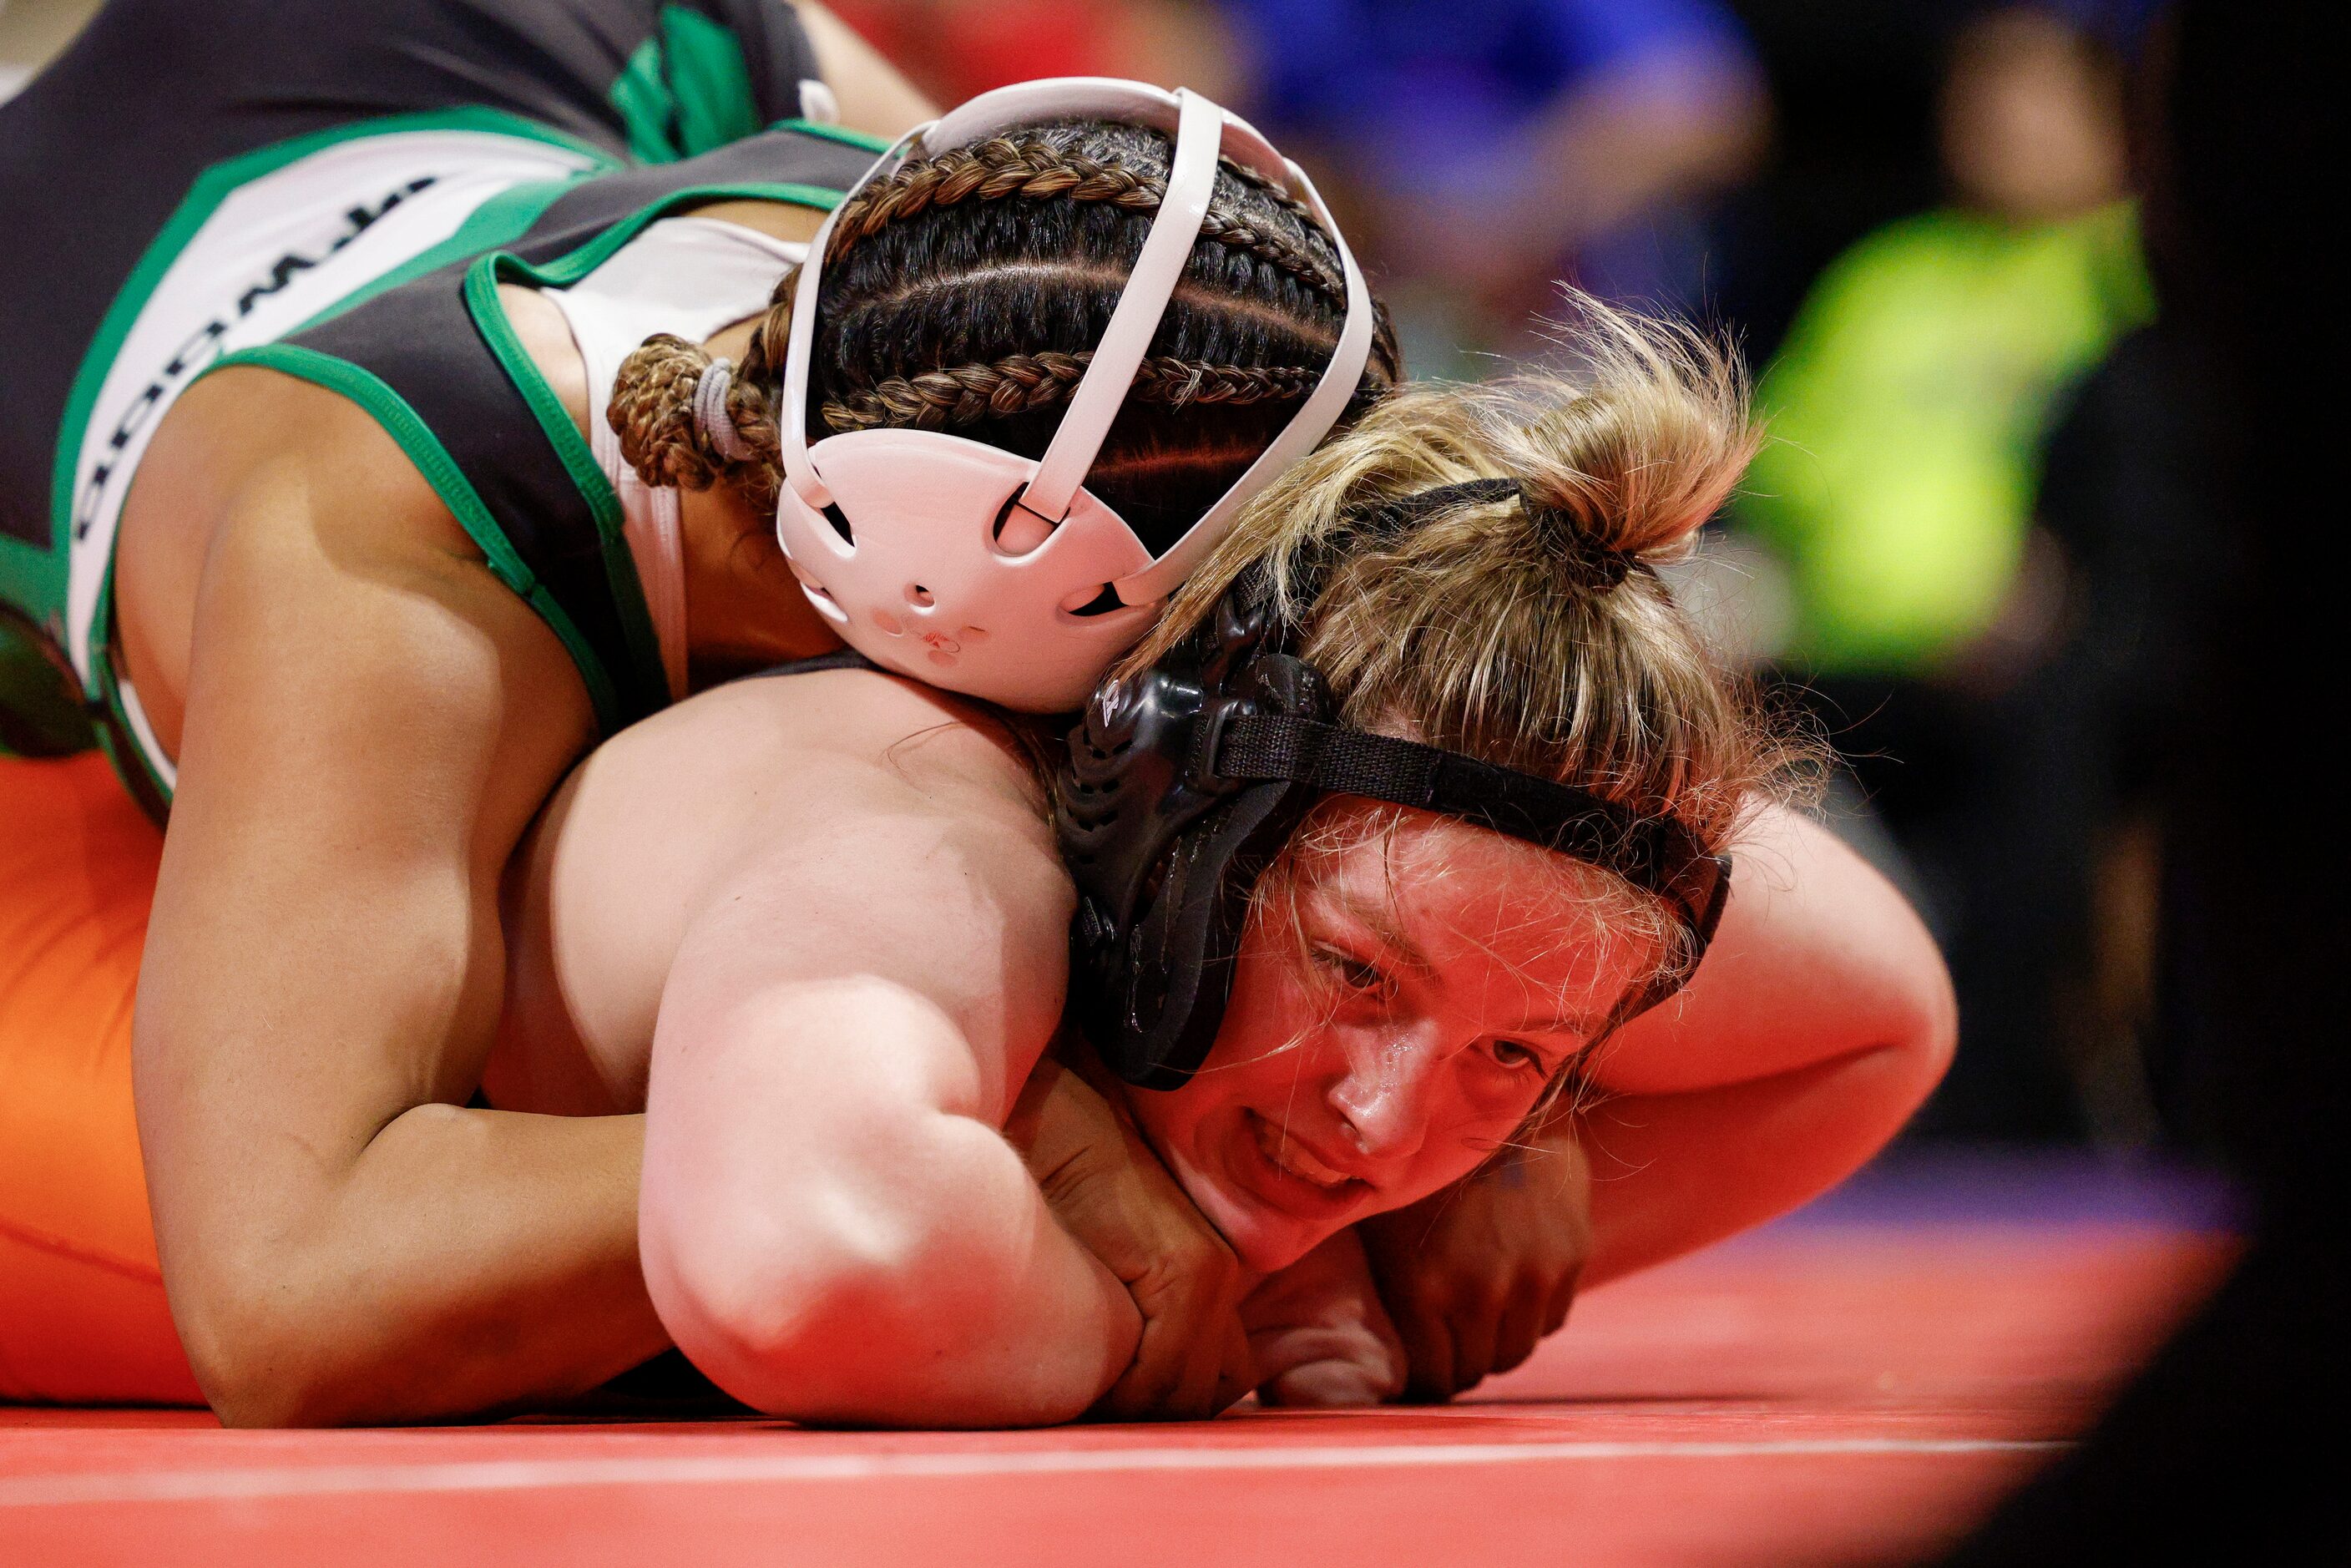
[1428, 1352]
[1208, 1358]
[1473, 1344]
[1520, 1330]
[1155, 1388]
[1207, 1346]
[1186, 1322]
[1237, 1374]
[1327, 1386]
[1562, 1296]
[1150, 1382]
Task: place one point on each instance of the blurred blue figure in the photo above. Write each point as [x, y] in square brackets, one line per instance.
[1484, 147]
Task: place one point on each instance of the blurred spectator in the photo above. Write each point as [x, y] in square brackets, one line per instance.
[1478, 150]
[1910, 400]
[1912, 393]
[2237, 594]
[954, 50]
[1853, 85]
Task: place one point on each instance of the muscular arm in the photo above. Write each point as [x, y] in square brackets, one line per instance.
[833, 1226]
[1818, 1023]
[370, 719]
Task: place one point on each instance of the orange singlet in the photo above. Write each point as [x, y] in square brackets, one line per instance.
[82, 1318]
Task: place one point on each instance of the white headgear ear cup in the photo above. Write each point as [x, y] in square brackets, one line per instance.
[1046, 634]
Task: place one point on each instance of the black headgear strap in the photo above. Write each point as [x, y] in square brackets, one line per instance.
[1655, 854]
[1182, 785]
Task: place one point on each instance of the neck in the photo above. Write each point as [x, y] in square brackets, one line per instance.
[744, 609]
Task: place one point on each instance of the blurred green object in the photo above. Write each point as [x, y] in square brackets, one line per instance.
[1907, 408]
[40, 714]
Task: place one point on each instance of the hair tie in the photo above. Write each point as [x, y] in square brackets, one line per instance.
[1604, 567]
[710, 413]
[1597, 566]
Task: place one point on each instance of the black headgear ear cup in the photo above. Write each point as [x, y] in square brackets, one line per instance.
[1165, 852]
[1184, 784]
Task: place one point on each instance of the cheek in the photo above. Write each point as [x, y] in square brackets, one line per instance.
[1265, 1016]
[1468, 1126]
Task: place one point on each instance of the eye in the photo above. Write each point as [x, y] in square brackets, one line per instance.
[1516, 1057]
[1350, 972]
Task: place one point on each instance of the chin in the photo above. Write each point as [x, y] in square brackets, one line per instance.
[1265, 1239]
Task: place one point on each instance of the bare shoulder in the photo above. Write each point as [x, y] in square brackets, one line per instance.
[808, 827]
[852, 770]
[872, 96]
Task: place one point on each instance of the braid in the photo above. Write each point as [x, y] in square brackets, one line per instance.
[763, 365]
[964, 394]
[1034, 169]
[919, 332]
[651, 411]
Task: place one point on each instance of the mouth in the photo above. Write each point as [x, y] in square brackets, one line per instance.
[1293, 1167]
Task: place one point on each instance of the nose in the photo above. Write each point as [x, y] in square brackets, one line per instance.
[1385, 1095]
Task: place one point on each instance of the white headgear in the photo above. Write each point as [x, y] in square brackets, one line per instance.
[893, 532]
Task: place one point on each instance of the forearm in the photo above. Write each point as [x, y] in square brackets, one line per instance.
[863, 1246]
[1818, 958]
[1818, 1023]
[1672, 1173]
[467, 1261]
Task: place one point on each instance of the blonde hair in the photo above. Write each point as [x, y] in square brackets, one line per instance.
[1534, 634]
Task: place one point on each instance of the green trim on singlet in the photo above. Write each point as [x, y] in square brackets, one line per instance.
[571, 448]
[685, 91]
[116, 735]
[422, 448]
[578, 460]
[211, 188]
[42, 710]
[860, 139]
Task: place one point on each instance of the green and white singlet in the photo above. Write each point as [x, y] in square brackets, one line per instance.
[336, 193]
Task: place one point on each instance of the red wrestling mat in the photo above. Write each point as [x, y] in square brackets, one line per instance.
[1825, 1391]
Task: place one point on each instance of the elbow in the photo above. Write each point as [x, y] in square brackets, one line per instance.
[841, 1298]
[880, 1286]
[256, 1354]
[785, 1310]
[1928, 1035]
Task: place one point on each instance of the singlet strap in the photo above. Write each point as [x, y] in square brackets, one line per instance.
[438, 364]
[689, 278]
[838, 659]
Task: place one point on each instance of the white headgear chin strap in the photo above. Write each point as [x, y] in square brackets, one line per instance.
[895, 539]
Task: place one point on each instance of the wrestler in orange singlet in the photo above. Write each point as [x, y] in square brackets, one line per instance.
[821, 919]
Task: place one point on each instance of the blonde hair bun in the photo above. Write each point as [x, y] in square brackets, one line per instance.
[1505, 617]
[1648, 442]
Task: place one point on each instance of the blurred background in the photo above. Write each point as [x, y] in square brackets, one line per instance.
[1969, 555]
[1955, 559]
[2045, 541]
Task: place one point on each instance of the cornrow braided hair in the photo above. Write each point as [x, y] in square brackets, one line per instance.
[960, 394]
[1032, 168]
[966, 290]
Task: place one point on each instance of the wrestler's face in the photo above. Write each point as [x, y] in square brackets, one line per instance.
[1395, 1015]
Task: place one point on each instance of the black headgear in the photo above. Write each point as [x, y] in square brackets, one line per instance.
[1184, 784]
